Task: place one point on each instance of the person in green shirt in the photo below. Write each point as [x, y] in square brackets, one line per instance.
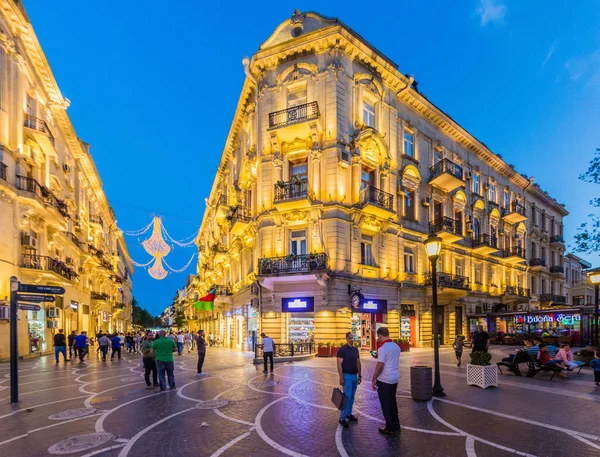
[148, 361]
[163, 349]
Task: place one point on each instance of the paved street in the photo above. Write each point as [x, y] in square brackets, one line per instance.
[104, 409]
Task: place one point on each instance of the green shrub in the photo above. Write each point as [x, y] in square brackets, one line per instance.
[480, 358]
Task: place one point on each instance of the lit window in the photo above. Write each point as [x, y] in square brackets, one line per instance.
[506, 199]
[476, 184]
[299, 169]
[366, 179]
[409, 144]
[477, 274]
[409, 205]
[458, 268]
[368, 114]
[409, 260]
[437, 156]
[296, 97]
[492, 195]
[366, 251]
[298, 242]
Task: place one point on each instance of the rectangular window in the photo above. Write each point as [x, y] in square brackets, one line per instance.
[368, 114]
[543, 286]
[506, 199]
[477, 274]
[409, 260]
[299, 169]
[298, 242]
[492, 195]
[437, 156]
[409, 205]
[367, 178]
[366, 251]
[476, 185]
[458, 268]
[296, 97]
[409, 144]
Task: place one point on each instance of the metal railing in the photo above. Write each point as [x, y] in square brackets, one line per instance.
[296, 188]
[537, 262]
[29, 185]
[218, 247]
[239, 213]
[371, 194]
[119, 306]
[557, 269]
[95, 219]
[446, 166]
[71, 236]
[43, 262]
[514, 290]
[223, 290]
[286, 349]
[99, 296]
[514, 207]
[560, 299]
[295, 114]
[557, 239]
[485, 240]
[38, 124]
[304, 263]
[515, 251]
[449, 280]
[445, 224]
[3, 174]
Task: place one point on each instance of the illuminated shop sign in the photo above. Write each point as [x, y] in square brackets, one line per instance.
[298, 305]
[237, 311]
[74, 305]
[560, 318]
[371, 305]
[227, 313]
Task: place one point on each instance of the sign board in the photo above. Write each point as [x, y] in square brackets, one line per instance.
[34, 289]
[27, 307]
[74, 305]
[565, 319]
[298, 305]
[371, 305]
[35, 298]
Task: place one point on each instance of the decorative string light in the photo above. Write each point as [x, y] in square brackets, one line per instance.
[142, 264]
[182, 243]
[157, 271]
[138, 232]
[155, 245]
[182, 269]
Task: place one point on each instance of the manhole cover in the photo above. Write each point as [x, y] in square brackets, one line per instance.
[72, 414]
[212, 404]
[80, 443]
[265, 384]
[132, 378]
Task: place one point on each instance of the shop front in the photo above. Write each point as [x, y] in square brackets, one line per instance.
[36, 326]
[408, 324]
[252, 338]
[300, 318]
[367, 317]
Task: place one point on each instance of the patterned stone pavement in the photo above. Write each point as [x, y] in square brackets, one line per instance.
[103, 408]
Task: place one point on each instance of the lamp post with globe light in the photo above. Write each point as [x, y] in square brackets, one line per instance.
[594, 276]
[433, 246]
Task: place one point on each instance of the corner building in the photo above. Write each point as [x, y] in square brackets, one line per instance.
[56, 226]
[335, 171]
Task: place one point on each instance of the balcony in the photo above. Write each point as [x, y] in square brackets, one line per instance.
[99, 296]
[39, 126]
[485, 244]
[118, 307]
[537, 264]
[446, 228]
[515, 213]
[449, 286]
[557, 239]
[3, 173]
[377, 202]
[446, 175]
[513, 255]
[221, 205]
[515, 295]
[557, 269]
[239, 217]
[224, 290]
[219, 250]
[27, 184]
[48, 264]
[294, 115]
[96, 221]
[293, 264]
[292, 194]
[551, 299]
[73, 239]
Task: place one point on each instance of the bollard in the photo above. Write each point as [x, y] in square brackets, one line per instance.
[420, 383]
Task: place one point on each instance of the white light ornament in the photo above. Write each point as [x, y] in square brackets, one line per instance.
[157, 271]
[155, 245]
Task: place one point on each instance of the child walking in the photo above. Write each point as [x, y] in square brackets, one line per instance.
[595, 365]
[458, 348]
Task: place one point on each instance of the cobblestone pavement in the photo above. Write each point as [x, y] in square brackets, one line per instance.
[103, 408]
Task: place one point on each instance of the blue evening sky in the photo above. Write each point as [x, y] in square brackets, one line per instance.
[154, 84]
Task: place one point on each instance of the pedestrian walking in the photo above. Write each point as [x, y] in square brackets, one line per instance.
[60, 345]
[458, 349]
[349, 370]
[137, 341]
[481, 340]
[188, 341]
[201, 344]
[180, 341]
[595, 365]
[163, 353]
[71, 340]
[149, 362]
[103, 345]
[129, 342]
[385, 380]
[211, 340]
[116, 347]
[81, 345]
[267, 342]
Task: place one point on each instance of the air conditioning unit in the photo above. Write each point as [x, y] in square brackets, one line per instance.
[468, 175]
[29, 240]
[427, 202]
[4, 312]
[53, 312]
[51, 324]
[345, 159]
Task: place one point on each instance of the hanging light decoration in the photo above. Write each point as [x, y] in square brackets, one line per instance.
[155, 245]
[157, 271]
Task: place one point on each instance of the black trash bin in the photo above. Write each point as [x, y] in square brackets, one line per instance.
[421, 383]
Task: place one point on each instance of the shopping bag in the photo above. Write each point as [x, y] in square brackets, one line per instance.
[338, 398]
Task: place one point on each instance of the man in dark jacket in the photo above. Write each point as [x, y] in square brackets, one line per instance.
[60, 345]
[71, 339]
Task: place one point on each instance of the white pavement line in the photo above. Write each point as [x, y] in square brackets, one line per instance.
[470, 447]
[224, 416]
[99, 426]
[43, 404]
[231, 443]
[293, 396]
[259, 390]
[180, 393]
[466, 435]
[34, 382]
[583, 440]
[339, 443]
[122, 440]
[41, 390]
[524, 420]
[125, 451]
[88, 402]
[264, 436]
[29, 432]
[100, 451]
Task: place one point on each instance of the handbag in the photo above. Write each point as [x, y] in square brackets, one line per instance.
[338, 398]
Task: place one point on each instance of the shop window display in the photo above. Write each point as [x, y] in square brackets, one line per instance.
[301, 328]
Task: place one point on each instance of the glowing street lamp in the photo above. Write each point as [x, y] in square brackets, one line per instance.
[594, 276]
[433, 246]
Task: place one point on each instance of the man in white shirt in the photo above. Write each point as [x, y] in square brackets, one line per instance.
[385, 380]
[180, 341]
[267, 351]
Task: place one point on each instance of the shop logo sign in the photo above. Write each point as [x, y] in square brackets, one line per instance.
[299, 304]
[565, 319]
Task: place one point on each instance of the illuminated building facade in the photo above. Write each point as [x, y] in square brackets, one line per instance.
[335, 170]
[56, 226]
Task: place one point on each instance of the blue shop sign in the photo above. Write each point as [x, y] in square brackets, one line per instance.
[371, 305]
[298, 305]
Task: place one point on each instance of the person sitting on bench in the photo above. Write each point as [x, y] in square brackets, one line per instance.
[544, 359]
[565, 355]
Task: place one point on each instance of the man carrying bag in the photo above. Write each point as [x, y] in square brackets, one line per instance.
[349, 369]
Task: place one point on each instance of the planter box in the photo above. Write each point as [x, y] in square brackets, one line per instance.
[324, 352]
[404, 347]
[334, 351]
[483, 376]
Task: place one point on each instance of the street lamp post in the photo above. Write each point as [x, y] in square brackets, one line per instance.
[433, 246]
[595, 279]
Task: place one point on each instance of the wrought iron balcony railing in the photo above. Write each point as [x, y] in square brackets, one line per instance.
[515, 207]
[559, 299]
[557, 269]
[295, 114]
[445, 224]
[485, 240]
[296, 188]
[38, 124]
[95, 219]
[29, 185]
[99, 296]
[515, 251]
[304, 263]
[520, 291]
[537, 262]
[43, 262]
[377, 197]
[238, 213]
[218, 248]
[3, 173]
[557, 239]
[448, 280]
[446, 166]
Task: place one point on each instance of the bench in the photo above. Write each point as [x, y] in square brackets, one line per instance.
[512, 364]
[537, 368]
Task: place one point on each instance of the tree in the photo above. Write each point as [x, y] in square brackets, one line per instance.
[587, 238]
[142, 317]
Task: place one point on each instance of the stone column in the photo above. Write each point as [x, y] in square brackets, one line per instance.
[355, 179]
[316, 173]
